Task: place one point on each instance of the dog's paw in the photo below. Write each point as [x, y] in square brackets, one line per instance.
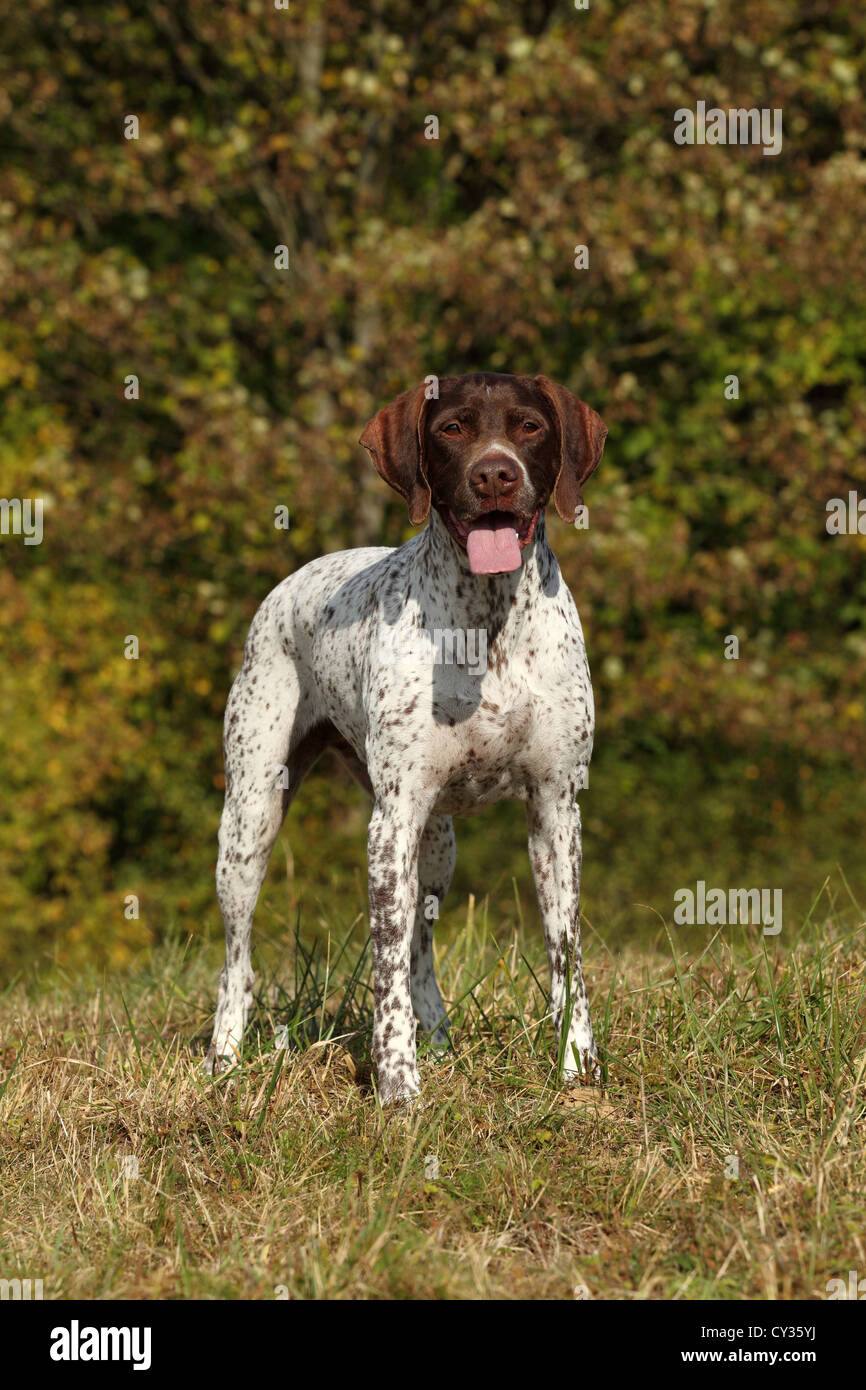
[436, 1047]
[581, 1066]
[406, 1104]
[214, 1064]
[404, 1094]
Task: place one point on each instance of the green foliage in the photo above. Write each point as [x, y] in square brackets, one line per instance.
[155, 257]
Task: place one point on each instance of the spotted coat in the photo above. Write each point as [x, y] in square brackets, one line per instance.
[333, 660]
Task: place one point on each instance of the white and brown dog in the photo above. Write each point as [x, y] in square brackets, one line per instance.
[332, 660]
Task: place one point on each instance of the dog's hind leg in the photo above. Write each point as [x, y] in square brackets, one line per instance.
[436, 859]
[269, 745]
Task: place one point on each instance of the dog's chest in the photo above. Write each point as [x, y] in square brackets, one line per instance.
[507, 734]
[474, 704]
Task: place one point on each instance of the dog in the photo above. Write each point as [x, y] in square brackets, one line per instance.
[331, 661]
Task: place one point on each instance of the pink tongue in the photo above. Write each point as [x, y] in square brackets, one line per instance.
[492, 547]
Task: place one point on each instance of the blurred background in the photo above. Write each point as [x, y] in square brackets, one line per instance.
[155, 257]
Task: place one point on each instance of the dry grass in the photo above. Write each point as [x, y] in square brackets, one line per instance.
[286, 1173]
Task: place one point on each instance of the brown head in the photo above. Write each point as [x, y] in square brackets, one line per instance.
[488, 454]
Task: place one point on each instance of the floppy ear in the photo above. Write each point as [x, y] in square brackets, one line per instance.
[394, 441]
[581, 441]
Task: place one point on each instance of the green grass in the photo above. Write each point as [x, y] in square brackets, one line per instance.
[736, 1053]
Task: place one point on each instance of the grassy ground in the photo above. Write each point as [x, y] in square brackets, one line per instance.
[723, 1159]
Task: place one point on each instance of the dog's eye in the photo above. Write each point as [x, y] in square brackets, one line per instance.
[451, 428]
[530, 427]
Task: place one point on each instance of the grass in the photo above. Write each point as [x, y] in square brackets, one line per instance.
[722, 1160]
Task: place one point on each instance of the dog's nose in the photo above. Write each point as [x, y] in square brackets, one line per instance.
[493, 476]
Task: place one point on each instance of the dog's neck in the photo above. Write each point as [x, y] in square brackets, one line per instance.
[495, 602]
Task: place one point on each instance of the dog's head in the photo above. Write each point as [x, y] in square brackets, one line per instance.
[488, 454]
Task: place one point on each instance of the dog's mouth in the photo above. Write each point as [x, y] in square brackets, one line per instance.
[492, 541]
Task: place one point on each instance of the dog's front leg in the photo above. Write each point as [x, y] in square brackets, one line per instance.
[392, 854]
[555, 851]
